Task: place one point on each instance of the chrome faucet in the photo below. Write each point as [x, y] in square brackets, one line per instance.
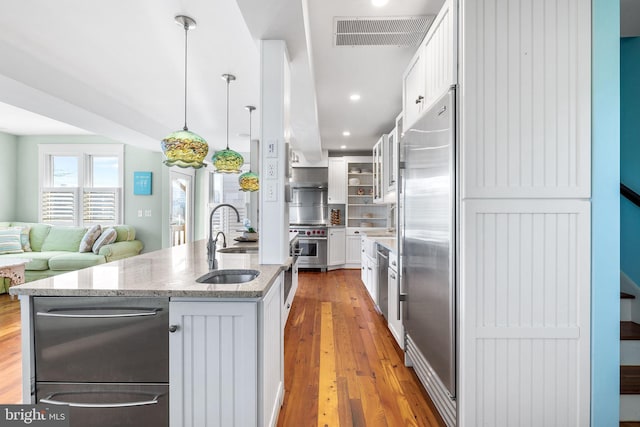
[211, 244]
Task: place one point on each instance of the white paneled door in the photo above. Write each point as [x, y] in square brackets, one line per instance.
[525, 145]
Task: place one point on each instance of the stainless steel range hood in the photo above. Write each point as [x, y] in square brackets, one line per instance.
[309, 178]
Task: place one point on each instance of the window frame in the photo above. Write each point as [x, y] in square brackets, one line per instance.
[85, 154]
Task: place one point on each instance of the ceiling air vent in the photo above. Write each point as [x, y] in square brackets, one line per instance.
[380, 30]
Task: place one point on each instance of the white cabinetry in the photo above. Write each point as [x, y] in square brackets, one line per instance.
[336, 193]
[440, 54]
[361, 211]
[337, 246]
[369, 268]
[432, 69]
[413, 88]
[353, 248]
[380, 169]
[225, 361]
[394, 310]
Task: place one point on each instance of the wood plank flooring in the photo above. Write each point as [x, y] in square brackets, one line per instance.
[10, 363]
[343, 368]
[342, 365]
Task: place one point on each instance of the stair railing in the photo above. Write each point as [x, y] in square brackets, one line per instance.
[630, 194]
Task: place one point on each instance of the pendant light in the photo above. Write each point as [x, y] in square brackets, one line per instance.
[184, 148]
[249, 181]
[227, 161]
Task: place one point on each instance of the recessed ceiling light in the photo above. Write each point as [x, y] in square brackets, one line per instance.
[346, 133]
[354, 97]
[379, 3]
[343, 147]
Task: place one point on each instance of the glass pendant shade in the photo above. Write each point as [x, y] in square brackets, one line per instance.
[227, 161]
[249, 182]
[184, 149]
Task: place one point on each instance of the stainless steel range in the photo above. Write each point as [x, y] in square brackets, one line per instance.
[312, 242]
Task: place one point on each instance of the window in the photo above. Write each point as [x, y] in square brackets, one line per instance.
[224, 188]
[81, 184]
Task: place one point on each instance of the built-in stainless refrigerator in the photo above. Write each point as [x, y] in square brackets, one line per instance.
[428, 236]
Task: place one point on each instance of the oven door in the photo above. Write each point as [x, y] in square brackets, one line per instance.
[313, 252]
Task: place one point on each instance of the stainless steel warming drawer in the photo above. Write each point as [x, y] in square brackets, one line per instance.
[98, 405]
[101, 339]
[105, 357]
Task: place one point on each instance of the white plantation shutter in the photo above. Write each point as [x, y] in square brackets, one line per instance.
[60, 206]
[101, 206]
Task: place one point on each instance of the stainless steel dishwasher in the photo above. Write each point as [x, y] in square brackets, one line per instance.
[383, 279]
[105, 357]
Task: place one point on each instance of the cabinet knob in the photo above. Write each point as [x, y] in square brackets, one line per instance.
[173, 328]
[419, 100]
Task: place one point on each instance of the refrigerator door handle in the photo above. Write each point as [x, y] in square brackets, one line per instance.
[401, 298]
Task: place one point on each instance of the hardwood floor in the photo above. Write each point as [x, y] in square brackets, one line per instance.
[342, 365]
[10, 364]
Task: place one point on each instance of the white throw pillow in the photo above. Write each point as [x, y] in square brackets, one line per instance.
[108, 236]
[90, 237]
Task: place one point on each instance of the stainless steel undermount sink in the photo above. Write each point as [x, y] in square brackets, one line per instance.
[237, 250]
[229, 276]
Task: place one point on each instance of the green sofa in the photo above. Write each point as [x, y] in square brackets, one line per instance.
[54, 249]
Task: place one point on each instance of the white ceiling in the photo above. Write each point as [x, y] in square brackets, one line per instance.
[116, 69]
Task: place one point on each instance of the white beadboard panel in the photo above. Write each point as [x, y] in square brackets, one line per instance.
[524, 313]
[440, 55]
[213, 364]
[271, 345]
[525, 91]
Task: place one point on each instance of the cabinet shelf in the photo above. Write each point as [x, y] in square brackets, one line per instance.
[361, 173]
[363, 204]
[373, 219]
[361, 185]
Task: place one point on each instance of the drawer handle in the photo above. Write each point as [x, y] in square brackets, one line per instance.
[99, 316]
[393, 276]
[393, 263]
[51, 401]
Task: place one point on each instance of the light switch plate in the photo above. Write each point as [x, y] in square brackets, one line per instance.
[272, 148]
[270, 194]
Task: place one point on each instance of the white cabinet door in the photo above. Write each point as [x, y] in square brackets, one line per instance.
[394, 319]
[353, 249]
[373, 279]
[337, 191]
[337, 246]
[364, 263]
[440, 56]
[413, 89]
[270, 355]
[379, 169]
[213, 362]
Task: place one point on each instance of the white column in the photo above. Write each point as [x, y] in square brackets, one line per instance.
[274, 105]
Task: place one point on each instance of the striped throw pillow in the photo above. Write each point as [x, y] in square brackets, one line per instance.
[10, 241]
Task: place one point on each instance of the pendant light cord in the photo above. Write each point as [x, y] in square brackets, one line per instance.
[228, 80]
[186, 31]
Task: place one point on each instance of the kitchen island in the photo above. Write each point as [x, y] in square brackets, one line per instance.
[224, 341]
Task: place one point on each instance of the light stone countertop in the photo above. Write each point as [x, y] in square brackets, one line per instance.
[385, 238]
[170, 272]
